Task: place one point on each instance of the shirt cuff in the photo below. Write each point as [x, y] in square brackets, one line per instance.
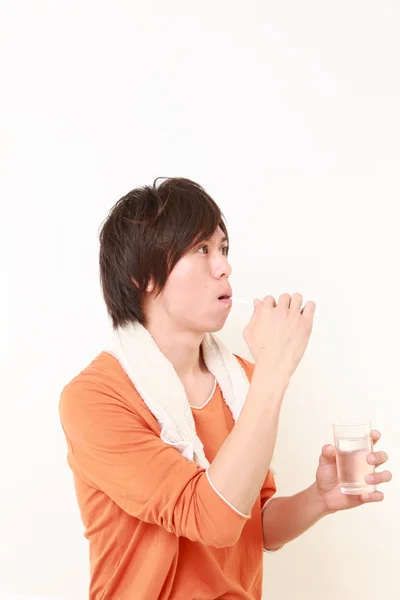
[225, 500]
[274, 549]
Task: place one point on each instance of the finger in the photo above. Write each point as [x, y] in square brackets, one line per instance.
[376, 436]
[328, 455]
[380, 477]
[269, 301]
[257, 303]
[309, 310]
[284, 300]
[372, 497]
[296, 301]
[377, 458]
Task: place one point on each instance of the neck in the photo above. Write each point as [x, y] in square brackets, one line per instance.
[181, 347]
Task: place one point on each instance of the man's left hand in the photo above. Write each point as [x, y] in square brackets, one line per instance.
[327, 484]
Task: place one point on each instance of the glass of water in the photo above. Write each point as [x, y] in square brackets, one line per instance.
[353, 443]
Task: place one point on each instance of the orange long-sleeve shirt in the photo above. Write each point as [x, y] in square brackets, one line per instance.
[157, 528]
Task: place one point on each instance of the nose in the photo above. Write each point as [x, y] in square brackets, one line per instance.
[221, 267]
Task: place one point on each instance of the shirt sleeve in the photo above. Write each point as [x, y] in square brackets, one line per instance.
[112, 448]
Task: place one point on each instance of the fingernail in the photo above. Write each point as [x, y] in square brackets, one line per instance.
[369, 478]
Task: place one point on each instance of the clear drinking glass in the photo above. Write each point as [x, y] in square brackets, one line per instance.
[353, 443]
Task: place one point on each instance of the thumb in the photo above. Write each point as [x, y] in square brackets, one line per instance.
[253, 319]
[328, 455]
[257, 304]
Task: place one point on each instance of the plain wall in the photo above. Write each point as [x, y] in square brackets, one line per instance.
[288, 114]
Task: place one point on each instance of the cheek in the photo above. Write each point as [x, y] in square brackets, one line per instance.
[185, 281]
[183, 270]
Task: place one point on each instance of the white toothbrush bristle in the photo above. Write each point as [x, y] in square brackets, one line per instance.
[242, 301]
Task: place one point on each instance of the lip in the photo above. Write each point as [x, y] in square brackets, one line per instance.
[226, 301]
[226, 292]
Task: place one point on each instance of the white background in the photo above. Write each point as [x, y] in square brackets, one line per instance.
[288, 114]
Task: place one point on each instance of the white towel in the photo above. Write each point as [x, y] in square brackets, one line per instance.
[158, 384]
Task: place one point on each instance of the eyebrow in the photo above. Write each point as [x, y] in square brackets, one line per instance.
[221, 241]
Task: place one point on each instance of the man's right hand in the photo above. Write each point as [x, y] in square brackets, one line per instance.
[277, 334]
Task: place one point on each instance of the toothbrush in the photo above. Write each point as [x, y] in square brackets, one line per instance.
[243, 301]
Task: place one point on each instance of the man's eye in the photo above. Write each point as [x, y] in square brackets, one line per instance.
[204, 250]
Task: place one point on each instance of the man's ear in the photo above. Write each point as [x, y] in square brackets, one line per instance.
[150, 287]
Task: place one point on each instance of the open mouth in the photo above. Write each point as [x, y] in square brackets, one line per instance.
[225, 299]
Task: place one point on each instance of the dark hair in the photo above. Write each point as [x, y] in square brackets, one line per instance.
[145, 234]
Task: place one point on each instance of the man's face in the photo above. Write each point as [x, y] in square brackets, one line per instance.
[191, 296]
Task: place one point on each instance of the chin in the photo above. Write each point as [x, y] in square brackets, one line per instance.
[207, 325]
[215, 326]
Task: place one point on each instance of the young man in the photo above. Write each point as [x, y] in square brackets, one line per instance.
[170, 436]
